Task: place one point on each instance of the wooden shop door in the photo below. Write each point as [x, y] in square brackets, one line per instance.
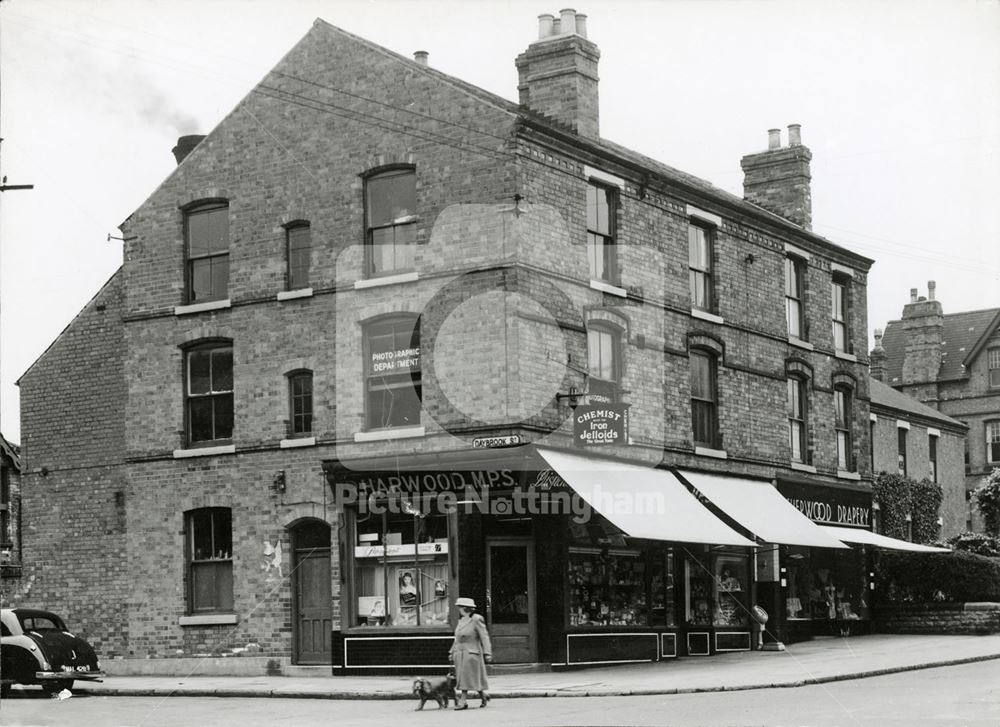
[510, 600]
[313, 601]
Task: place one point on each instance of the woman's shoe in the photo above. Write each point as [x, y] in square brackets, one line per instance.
[483, 699]
[460, 703]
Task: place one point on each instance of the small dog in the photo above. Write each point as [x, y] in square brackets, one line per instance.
[440, 690]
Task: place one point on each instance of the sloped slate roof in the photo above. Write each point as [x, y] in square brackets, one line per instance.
[960, 334]
[11, 450]
[658, 168]
[883, 396]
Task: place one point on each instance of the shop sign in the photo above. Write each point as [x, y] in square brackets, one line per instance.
[399, 361]
[427, 482]
[508, 440]
[377, 551]
[597, 425]
[829, 506]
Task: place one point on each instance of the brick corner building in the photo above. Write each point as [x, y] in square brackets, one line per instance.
[380, 329]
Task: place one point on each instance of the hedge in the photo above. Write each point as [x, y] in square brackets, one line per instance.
[957, 577]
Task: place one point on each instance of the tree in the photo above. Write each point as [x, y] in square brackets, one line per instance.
[987, 499]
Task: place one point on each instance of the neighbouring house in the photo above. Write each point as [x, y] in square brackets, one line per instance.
[10, 511]
[950, 362]
[919, 442]
[383, 339]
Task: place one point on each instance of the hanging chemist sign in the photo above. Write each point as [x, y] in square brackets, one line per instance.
[598, 425]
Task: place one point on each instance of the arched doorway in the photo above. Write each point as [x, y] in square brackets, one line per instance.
[311, 592]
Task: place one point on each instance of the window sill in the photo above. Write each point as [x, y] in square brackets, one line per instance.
[292, 294]
[801, 467]
[297, 442]
[846, 356]
[379, 435]
[605, 287]
[209, 619]
[183, 310]
[204, 451]
[706, 316]
[841, 474]
[386, 280]
[799, 343]
[706, 452]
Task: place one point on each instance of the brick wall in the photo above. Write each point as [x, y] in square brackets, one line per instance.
[74, 492]
[939, 618]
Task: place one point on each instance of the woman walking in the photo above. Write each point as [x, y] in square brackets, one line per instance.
[469, 654]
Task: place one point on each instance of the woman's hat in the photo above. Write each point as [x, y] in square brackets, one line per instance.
[467, 602]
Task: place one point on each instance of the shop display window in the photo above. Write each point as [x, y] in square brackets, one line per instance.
[401, 570]
[730, 588]
[824, 586]
[698, 592]
[662, 591]
[607, 588]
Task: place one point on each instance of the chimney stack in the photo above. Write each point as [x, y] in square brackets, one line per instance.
[557, 74]
[779, 179]
[923, 325]
[877, 358]
[185, 145]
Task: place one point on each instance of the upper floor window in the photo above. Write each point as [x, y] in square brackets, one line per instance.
[839, 315]
[797, 419]
[842, 424]
[298, 244]
[932, 457]
[601, 231]
[209, 400]
[993, 361]
[207, 232]
[794, 286]
[210, 559]
[700, 244]
[391, 219]
[901, 451]
[993, 441]
[704, 400]
[300, 391]
[604, 364]
[393, 373]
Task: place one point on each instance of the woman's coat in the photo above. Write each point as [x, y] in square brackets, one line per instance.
[472, 645]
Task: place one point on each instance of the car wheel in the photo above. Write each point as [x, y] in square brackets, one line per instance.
[57, 686]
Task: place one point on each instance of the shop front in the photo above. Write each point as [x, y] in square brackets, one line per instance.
[572, 560]
[828, 592]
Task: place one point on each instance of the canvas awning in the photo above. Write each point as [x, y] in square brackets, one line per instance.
[643, 502]
[867, 537]
[761, 509]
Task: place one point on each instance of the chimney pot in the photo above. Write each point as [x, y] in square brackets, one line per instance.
[795, 135]
[420, 56]
[581, 25]
[185, 145]
[921, 299]
[931, 285]
[545, 26]
[774, 138]
[567, 21]
[913, 295]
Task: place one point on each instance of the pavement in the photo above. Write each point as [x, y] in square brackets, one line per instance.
[811, 662]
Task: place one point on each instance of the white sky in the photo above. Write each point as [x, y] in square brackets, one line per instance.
[899, 103]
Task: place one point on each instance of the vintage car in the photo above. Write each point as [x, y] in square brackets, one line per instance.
[37, 648]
